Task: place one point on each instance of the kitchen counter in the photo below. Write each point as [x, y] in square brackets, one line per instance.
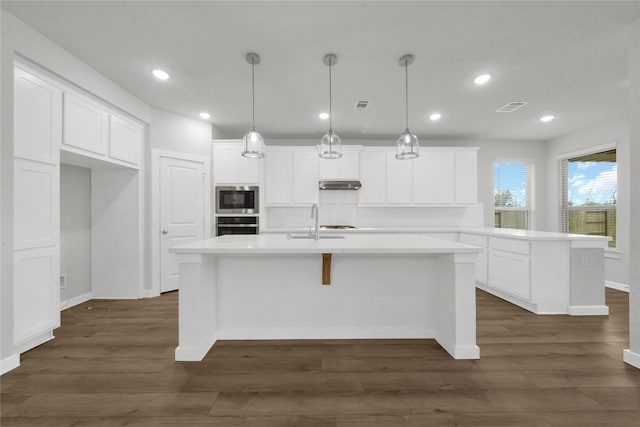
[381, 286]
[509, 233]
[351, 244]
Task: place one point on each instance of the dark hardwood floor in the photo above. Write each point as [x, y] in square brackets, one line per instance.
[113, 365]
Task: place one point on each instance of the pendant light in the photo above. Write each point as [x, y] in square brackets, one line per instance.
[407, 144]
[330, 145]
[253, 141]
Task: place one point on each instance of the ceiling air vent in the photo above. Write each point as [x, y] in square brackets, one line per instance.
[362, 105]
[510, 107]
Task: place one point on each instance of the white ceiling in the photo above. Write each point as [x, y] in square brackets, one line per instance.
[564, 58]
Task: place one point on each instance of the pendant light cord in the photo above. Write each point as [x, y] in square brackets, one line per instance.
[406, 92]
[253, 98]
[330, 112]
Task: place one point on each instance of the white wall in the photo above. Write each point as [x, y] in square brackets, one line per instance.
[75, 231]
[616, 265]
[173, 132]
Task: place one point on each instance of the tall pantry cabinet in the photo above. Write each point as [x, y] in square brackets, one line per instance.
[36, 204]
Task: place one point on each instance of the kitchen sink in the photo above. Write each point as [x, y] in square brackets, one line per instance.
[307, 236]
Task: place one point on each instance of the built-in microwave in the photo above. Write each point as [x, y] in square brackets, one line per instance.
[239, 199]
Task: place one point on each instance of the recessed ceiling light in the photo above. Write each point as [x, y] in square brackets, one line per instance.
[323, 116]
[547, 118]
[482, 79]
[435, 116]
[205, 115]
[160, 74]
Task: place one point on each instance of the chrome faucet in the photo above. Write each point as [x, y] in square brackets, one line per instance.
[315, 214]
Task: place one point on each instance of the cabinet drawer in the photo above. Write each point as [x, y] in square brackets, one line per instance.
[510, 245]
[471, 239]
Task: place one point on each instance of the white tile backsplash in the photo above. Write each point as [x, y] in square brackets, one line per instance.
[342, 209]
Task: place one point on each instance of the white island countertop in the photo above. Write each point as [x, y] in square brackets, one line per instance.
[352, 243]
[509, 233]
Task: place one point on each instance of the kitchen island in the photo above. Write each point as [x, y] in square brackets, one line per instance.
[381, 286]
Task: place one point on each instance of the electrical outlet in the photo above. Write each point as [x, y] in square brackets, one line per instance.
[63, 281]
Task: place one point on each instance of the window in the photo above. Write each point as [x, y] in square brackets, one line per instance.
[589, 194]
[513, 184]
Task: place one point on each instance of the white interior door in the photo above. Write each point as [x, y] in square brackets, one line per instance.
[182, 195]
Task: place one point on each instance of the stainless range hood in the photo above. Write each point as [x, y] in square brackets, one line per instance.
[340, 185]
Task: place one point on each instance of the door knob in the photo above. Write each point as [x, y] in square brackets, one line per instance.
[165, 231]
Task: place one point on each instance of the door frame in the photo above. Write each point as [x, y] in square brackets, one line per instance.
[156, 154]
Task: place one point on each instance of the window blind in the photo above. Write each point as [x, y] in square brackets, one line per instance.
[589, 194]
[513, 194]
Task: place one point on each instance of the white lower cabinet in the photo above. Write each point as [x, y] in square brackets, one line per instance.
[510, 272]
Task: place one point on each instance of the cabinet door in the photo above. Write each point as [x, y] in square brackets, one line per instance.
[224, 163]
[350, 165]
[434, 178]
[305, 177]
[373, 175]
[37, 112]
[85, 125]
[278, 177]
[510, 272]
[248, 170]
[125, 141]
[499, 269]
[466, 178]
[520, 276]
[399, 180]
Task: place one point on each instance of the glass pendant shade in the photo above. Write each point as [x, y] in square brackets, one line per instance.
[253, 145]
[407, 146]
[330, 146]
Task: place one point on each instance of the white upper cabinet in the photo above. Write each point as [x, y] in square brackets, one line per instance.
[466, 177]
[305, 177]
[373, 175]
[229, 167]
[37, 118]
[434, 178]
[291, 176]
[440, 176]
[86, 125]
[399, 180]
[346, 167]
[278, 176]
[125, 140]
[92, 130]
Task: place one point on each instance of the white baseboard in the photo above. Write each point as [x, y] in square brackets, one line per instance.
[616, 285]
[9, 363]
[147, 293]
[588, 310]
[632, 358]
[72, 302]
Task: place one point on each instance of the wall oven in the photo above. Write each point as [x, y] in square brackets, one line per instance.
[237, 200]
[236, 225]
